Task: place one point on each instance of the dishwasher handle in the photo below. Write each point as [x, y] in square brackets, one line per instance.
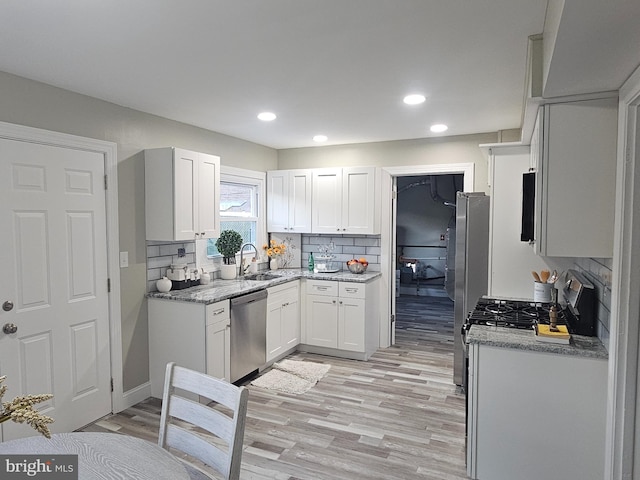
[249, 298]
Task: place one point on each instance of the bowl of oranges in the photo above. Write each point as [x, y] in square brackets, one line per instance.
[357, 265]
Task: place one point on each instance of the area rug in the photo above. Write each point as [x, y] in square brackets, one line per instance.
[291, 376]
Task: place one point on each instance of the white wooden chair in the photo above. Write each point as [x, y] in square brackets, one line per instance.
[183, 418]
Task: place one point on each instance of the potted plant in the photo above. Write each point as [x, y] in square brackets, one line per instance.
[228, 244]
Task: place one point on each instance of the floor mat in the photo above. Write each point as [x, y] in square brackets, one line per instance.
[291, 376]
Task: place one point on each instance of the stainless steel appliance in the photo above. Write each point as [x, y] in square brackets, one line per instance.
[248, 333]
[471, 267]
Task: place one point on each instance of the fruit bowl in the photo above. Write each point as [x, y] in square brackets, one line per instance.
[357, 267]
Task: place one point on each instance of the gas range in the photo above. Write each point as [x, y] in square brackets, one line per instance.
[508, 313]
[579, 313]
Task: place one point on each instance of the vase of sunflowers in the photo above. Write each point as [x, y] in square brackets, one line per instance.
[274, 251]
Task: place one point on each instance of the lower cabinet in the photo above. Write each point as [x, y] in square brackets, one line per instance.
[341, 316]
[194, 335]
[283, 319]
[535, 415]
[218, 342]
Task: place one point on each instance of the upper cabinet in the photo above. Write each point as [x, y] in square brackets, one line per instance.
[574, 155]
[289, 201]
[182, 194]
[344, 201]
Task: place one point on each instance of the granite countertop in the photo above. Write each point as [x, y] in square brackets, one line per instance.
[219, 290]
[516, 339]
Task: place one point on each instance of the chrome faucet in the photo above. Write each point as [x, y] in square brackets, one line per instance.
[244, 269]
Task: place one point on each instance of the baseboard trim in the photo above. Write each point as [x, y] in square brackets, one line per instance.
[136, 395]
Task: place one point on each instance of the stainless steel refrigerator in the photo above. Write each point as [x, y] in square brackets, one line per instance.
[471, 267]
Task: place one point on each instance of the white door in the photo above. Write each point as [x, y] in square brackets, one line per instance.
[358, 200]
[53, 285]
[185, 208]
[208, 196]
[326, 207]
[278, 201]
[300, 201]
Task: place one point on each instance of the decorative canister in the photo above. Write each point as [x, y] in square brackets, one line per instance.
[273, 263]
[163, 285]
[542, 292]
[205, 278]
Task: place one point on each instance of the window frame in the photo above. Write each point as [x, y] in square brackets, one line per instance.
[258, 180]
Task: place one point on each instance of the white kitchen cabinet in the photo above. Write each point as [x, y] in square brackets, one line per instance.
[283, 319]
[344, 201]
[510, 260]
[182, 194]
[218, 342]
[535, 415]
[194, 335]
[575, 179]
[341, 317]
[289, 201]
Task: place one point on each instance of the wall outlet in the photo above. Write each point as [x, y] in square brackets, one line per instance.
[124, 259]
[181, 252]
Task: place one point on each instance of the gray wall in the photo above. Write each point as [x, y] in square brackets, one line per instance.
[425, 151]
[34, 104]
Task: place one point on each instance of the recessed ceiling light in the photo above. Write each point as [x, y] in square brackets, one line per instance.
[267, 116]
[414, 99]
[320, 138]
[439, 128]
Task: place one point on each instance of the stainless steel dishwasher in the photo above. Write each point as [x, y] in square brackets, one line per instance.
[248, 333]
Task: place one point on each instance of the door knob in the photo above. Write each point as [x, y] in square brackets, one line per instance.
[9, 328]
[7, 306]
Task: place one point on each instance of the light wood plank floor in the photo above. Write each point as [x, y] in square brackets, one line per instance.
[396, 416]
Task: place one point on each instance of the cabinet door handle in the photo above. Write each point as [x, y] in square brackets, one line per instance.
[340, 302]
[333, 301]
[352, 290]
[202, 234]
[218, 312]
[322, 288]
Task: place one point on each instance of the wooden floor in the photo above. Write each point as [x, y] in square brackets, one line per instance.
[396, 416]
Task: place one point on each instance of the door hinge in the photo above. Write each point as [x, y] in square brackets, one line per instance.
[105, 183]
[393, 318]
[394, 195]
[112, 384]
[108, 285]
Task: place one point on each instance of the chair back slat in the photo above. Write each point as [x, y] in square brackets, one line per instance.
[205, 417]
[207, 386]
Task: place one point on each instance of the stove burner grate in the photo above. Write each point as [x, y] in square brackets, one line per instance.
[498, 308]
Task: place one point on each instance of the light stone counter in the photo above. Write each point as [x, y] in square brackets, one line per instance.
[526, 340]
[223, 289]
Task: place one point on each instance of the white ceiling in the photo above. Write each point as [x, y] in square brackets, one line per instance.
[337, 67]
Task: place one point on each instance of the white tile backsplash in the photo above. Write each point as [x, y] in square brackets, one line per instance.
[346, 247]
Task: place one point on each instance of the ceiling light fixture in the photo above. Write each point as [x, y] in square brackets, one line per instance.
[267, 116]
[439, 128]
[414, 99]
[320, 138]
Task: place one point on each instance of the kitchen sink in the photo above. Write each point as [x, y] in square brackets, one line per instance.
[260, 277]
